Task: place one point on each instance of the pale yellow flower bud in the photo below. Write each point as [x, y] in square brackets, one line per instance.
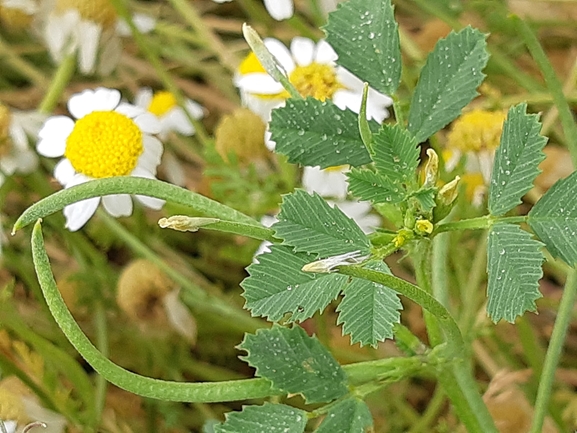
[432, 168]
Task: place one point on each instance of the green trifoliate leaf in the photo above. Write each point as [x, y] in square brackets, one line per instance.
[426, 198]
[554, 219]
[348, 416]
[369, 310]
[514, 267]
[366, 184]
[311, 132]
[277, 286]
[295, 363]
[308, 223]
[516, 160]
[396, 154]
[367, 30]
[273, 418]
[447, 82]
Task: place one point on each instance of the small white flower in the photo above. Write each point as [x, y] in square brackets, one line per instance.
[267, 221]
[329, 264]
[16, 156]
[330, 182]
[93, 148]
[172, 117]
[278, 9]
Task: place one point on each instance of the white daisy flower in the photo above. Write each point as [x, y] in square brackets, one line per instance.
[172, 117]
[330, 182]
[109, 138]
[311, 68]
[278, 9]
[92, 29]
[16, 156]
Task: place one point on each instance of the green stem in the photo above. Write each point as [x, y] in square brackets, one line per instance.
[160, 68]
[554, 351]
[456, 379]
[193, 224]
[22, 66]
[102, 344]
[479, 223]
[130, 185]
[59, 82]
[554, 85]
[440, 271]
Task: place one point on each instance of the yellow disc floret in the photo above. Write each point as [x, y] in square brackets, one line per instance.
[477, 130]
[99, 11]
[316, 80]
[250, 65]
[14, 19]
[162, 103]
[5, 119]
[104, 144]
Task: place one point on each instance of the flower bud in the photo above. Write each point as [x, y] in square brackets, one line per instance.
[432, 168]
[446, 199]
[424, 227]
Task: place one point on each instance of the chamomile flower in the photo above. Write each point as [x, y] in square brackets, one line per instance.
[92, 29]
[311, 68]
[108, 138]
[16, 156]
[475, 136]
[278, 9]
[172, 117]
[329, 182]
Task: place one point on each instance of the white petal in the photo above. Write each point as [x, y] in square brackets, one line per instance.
[270, 144]
[176, 120]
[88, 36]
[151, 202]
[87, 101]
[173, 169]
[78, 214]
[348, 99]
[261, 106]
[325, 53]
[143, 98]
[53, 136]
[303, 50]
[179, 316]
[129, 110]
[110, 53]
[59, 33]
[143, 22]
[194, 109]
[117, 205]
[64, 172]
[327, 183]
[349, 80]
[280, 9]
[10, 426]
[148, 123]
[259, 83]
[281, 53]
[150, 158]
[18, 135]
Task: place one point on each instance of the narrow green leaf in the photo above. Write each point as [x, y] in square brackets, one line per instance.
[267, 418]
[309, 224]
[554, 219]
[396, 153]
[369, 310]
[311, 132]
[367, 30]
[295, 363]
[364, 128]
[277, 286]
[516, 160]
[348, 416]
[366, 184]
[514, 267]
[447, 82]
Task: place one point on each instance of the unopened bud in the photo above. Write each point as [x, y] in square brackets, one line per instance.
[402, 237]
[328, 265]
[432, 168]
[183, 223]
[448, 193]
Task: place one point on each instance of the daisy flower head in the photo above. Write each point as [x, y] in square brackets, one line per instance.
[311, 68]
[107, 138]
[16, 156]
[278, 9]
[172, 117]
[85, 27]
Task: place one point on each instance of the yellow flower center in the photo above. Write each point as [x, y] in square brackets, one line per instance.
[99, 11]
[316, 80]
[5, 141]
[104, 144]
[250, 65]
[477, 130]
[14, 19]
[11, 407]
[162, 103]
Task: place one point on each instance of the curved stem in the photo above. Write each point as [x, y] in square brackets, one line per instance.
[130, 185]
[59, 82]
[479, 223]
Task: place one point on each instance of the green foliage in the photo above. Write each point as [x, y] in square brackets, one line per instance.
[311, 132]
[348, 416]
[396, 154]
[276, 285]
[269, 417]
[367, 30]
[554, 219]
[309, 224]
[295, 363]
[369, 310]
[516, 160]
[369, 185]
[514, 266]
[447, 82]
